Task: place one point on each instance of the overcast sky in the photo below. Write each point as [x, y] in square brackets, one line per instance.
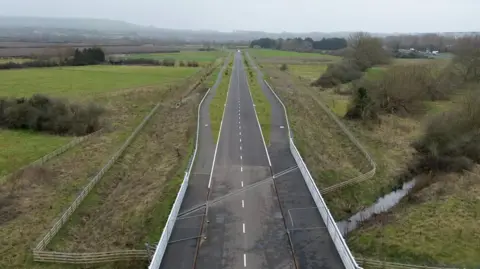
[268, 15]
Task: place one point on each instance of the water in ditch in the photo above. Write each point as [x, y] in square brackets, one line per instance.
[383, 204]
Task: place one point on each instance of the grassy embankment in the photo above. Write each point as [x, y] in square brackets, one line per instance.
[421, 232]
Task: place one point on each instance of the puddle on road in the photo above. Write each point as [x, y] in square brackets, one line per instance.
[383, 204]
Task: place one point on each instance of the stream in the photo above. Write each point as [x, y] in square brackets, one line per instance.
[383, 204]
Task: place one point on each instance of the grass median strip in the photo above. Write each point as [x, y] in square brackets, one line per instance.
[262, 105]
[217, 105]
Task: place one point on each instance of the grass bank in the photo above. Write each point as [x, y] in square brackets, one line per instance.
[260, 101]
[217, 105]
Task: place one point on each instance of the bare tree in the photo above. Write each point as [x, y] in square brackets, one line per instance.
[467, 58]
[366, 51]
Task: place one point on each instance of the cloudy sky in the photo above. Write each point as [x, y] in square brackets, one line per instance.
[268, 15]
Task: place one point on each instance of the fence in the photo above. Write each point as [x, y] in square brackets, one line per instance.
[89, 258]
[40, 255]
[340, 244]
[167, 230]
[370, 263]
[52, 154]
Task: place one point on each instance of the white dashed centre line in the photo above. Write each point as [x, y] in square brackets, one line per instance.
[244, 228]
[240, 140]
[243, 204]
[244, 260]
[240, 147]
[241, 158]
[242, 184]
[241, 168]
[240, 133]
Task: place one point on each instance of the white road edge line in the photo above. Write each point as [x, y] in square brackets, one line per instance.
[256, 116]
[244, 260]
[221, 123]
[244, 228]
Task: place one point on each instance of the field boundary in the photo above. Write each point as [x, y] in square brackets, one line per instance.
[51, 155]
[172, 217]
[61, 257]
[371, 263]
[341, 246]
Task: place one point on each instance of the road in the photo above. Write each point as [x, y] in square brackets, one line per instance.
[245, 227]
[249, 210]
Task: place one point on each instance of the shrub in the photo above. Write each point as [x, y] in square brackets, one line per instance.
[400, 90]
[284, 67]
[338, 73]
[182, 63]
[451, 141]
[168, 62]
[44, 114]
[141, 61]
[192, 64]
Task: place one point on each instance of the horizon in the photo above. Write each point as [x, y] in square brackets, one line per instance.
[269, 16]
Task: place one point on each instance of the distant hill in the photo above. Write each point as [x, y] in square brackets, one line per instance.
[78, 29]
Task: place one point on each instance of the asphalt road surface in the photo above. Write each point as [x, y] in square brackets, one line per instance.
[249, 211]
[245, 227]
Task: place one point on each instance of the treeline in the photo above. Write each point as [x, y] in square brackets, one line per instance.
[44, 114]
[87, 56]
[299, 44]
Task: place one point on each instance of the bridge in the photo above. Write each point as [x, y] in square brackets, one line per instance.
[244, 204]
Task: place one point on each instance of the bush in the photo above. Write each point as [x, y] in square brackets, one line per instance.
[168, 62]
[451, 141]
[182, 63]
[192, 64]
[338, 73]
[43, 114]
[400, 90]
[141, 61]
[284, 67]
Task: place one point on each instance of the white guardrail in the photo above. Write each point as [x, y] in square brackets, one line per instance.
[167, 230]
[340, 244]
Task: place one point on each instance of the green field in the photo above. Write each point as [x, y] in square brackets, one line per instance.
[85, 81]
[268, 53]
[79, 83]
[199, 56]
[20, 148]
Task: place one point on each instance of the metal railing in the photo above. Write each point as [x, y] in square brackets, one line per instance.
[337, 238]
[172, 217]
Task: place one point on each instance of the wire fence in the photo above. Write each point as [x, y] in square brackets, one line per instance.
[371, 263]
[40, 255]
[51, 155]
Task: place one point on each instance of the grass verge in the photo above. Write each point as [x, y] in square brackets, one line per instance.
[217, 105]
[260, 101]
